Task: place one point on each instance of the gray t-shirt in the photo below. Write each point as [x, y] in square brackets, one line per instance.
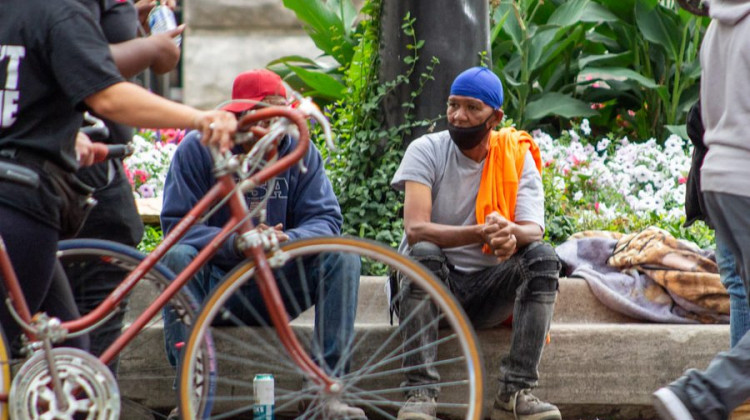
[435, 161]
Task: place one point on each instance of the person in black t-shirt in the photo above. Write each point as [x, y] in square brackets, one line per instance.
[115, 217]
[55, 63]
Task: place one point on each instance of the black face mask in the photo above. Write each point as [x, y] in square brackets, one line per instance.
[468, 137]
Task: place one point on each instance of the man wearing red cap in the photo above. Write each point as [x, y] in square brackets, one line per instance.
[302, 205]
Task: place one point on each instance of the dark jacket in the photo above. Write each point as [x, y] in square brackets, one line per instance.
[695, 209]
[303, 202]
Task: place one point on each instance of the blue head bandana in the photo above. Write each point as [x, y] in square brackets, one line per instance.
[480, 83]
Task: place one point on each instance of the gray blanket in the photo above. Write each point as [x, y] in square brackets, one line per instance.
[630, 292]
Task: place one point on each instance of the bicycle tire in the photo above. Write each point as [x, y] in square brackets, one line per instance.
[5, 374]
[152, 372]
[374, 386]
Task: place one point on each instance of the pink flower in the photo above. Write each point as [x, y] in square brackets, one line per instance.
[596, 207]
[140, 176]
[631, 113]
[128, 173]
[681, 180]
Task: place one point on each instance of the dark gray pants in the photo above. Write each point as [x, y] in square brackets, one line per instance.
[524, 286]
[725, 384]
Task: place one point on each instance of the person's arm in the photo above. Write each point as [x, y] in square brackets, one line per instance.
[188, 179]
[315, 209]
[130, 104]
[418, 225]
[157, 52]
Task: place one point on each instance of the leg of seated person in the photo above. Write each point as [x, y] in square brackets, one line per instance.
[176, 259]
[336, 277]
[421, 316]
[530, 279]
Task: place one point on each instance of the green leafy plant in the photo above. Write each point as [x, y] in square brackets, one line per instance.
[646, 65]
[535, 46]
[631, 66]
[368, 152]
[152, 237]
[334, 28]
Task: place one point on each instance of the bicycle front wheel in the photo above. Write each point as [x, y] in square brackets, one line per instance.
[343, 322]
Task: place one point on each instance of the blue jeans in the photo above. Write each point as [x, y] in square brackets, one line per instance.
[739, 310]
[331, 284]
[725, 384]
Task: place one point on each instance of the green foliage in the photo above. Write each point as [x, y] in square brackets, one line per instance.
[333, 27]
[630, 65]
[152, 237]
[368, 153]
[535, 46]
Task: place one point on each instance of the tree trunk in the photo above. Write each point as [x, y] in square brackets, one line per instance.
[454, 31]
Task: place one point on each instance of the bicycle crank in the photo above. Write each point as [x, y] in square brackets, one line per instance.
[89, 388]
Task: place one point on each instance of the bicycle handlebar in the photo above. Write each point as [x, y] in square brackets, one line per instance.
[104, 152]
[303, 140]
[97, 130]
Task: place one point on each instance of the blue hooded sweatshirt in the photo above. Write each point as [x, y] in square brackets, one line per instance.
[303, 202]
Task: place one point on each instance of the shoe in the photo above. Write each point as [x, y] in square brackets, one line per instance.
[174, 414]
[523, 405]
[335, 409]
[418, 407]
[672, 404]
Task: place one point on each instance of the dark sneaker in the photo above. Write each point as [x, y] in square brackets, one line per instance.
[523, 405]
[335, 409]
[418, 407]
[174, 414]
[672, 404]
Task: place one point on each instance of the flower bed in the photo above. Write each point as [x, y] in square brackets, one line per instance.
[615, 184]
[147, 167]
[609, 184]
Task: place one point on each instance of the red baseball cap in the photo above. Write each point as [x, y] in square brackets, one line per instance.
[254, 85]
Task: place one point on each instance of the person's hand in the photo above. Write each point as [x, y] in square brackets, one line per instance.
[217, 128]
[277, 230]
[497, 233]
[84, 150]
[168, 51]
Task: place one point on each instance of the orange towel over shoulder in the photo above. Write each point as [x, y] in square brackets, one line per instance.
[502, 173]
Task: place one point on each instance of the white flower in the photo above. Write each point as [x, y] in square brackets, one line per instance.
[602, 145]
[585, 127]
[577, 196]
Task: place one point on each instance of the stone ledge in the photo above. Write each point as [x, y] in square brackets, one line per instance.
[596, 365]
[586, 367]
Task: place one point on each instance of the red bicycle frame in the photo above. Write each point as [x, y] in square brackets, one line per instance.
[225, 186]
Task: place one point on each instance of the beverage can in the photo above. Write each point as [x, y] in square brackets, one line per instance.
[264, 400]
[161, 19]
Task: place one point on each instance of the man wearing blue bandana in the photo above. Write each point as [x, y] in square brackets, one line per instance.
[474, 215]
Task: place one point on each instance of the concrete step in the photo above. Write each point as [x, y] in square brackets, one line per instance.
[588, 369]
[598, 364]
